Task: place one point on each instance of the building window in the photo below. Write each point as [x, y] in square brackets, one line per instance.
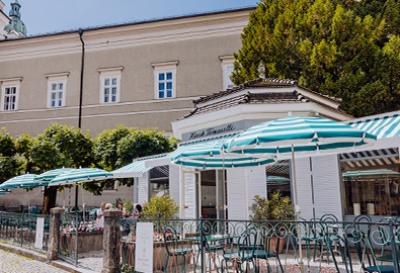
[165, 84]
[110, 87]
[227, 68]
[10, 97]
[56, 92]
[165, 81]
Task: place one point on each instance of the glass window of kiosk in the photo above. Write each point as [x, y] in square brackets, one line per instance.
[372, 192]
[159, 181]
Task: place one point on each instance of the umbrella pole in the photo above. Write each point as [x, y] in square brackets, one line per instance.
[297, 210]
[76, 198]
[312, 188]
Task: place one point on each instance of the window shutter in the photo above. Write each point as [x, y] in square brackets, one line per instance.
[189, 195]
[143, 189]
[327, 192]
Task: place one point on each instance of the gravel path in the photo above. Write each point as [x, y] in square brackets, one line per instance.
[11, 263]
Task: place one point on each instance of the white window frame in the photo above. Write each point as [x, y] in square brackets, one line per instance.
[9, 84]
[171, 68]
[225, 63]
[110, 74]
[56, 80]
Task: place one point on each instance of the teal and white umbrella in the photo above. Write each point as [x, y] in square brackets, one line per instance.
[300, 135]
[23, 181]
[283, 138]
[209, 154]
[277, 180]
[46, 177]
[374, 172]
[81, 175]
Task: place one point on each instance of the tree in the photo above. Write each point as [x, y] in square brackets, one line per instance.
[106, 146]
[59, 146]
[10, 165]
[143, 143]
[339, 48]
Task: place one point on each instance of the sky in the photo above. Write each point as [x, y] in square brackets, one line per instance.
[44, 16]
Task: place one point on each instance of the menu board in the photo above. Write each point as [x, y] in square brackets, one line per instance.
[144, 248]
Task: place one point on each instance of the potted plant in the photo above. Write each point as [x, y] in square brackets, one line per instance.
[277, 208]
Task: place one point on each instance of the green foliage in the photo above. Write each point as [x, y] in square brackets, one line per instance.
[64, 146]
[128, 269]
[61, 146]
[7, 144]
[142, 143]
[106, 146]
[160, 207]
[346, 49]
[117, 147]
[277, 208]
[128, 206]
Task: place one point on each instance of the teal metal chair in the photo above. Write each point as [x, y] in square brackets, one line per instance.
[175, 249]
[244, 256]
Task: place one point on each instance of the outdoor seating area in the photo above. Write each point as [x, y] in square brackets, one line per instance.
[327, 245]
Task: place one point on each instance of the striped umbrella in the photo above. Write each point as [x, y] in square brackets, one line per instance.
[209, 154]
[22, 181]
[80, 176]
[46, 177]
[288, 136]
[283, 137]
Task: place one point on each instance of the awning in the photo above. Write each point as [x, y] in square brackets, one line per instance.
[382, 126]
[137, 168]
[377, 172]
[209, 154]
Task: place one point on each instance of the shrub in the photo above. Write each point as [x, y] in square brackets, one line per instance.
[160, 207]
[277, 208]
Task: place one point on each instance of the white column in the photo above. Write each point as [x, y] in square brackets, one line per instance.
[243, 184]
[174, 180]
[325, 176]
[143, 189]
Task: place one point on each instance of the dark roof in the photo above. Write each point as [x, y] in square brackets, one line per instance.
[260, 83]
[133, 23]
[252, 98]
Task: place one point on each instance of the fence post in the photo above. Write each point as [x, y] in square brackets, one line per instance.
[55, 222]
[111, 241]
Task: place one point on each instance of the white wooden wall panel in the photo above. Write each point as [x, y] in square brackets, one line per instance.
[174, 180]
[237, 194]
[303, 187]
[243, 184]
[326, 176]
[143, 189]
[256, 183]
[189, 186]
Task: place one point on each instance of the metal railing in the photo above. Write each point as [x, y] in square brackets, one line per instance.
[20, 229]
[318, 245]
[78, 237]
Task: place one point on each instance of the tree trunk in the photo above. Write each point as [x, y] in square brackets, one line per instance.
[49, 199]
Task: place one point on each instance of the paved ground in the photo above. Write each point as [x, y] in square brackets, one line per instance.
[11, 263]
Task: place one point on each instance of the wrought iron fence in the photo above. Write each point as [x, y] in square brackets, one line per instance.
[21, 229]
[79, 238]
[318, 245]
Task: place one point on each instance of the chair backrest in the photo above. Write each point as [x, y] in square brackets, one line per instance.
[171, 239]
[247, 243]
